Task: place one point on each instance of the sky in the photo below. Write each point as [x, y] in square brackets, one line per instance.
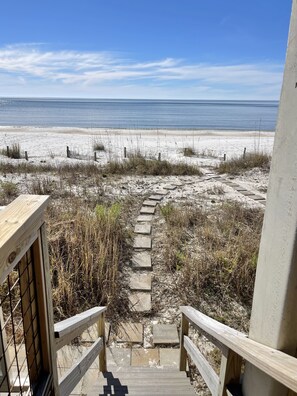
[143, 49]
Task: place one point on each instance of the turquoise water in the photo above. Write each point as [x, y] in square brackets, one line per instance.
[174, 114]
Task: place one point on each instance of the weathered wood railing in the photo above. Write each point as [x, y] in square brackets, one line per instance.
[235, 346]
[71, 328]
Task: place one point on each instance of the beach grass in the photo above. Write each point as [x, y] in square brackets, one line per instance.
[134, 165]
[139, 165]
[213, 252]
[249, 161]
[13, 151]
[8, 191]
[87, 246]
[188, 152]
[98, 145]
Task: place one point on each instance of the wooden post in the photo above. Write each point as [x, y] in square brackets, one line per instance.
[224, 157]
[273, 318]
[244, 152]
[6, 362]
[26, 155]
[7, 151]
[125, 152]
[101, 333]
[95, 156]
[184, 330]
[230, 371]
[159, 157]
[45, 304]
[67, 152]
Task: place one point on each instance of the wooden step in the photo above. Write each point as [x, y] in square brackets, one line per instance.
[141, 382]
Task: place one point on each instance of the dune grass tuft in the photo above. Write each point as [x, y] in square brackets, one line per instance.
[139, 165]
[249, 161]
[12, 152]
[87, 246]
[189, 152]
[215, 253]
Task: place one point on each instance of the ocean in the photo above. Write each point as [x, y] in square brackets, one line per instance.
[139, 114]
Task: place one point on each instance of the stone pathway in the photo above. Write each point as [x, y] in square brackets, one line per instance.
[242, 190]
[141, 263]
[140, 284]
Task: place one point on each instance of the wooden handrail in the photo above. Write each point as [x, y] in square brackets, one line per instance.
[69, 381]
[20, 222]
[67, 330]
[207, 372]
[276, 364]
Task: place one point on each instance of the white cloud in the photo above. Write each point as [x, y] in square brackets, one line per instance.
[30, 68]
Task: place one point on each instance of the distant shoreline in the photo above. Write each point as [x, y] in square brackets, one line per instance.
[135, 131]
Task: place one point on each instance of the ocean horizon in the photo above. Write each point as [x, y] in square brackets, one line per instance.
[140, 113]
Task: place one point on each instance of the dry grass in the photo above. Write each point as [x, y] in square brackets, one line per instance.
[189, 152]
[138, 165]
[24, 168]
[98, 145]
[135, 165]
[87, 247]
[88, 236]
[215, 253]
[13, 152]
[8, 192]
[249, 161]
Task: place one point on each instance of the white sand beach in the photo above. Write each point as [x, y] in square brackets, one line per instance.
[49, 144]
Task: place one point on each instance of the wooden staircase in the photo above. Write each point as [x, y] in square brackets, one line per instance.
[141, 382]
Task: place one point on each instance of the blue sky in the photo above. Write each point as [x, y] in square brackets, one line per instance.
[178, 49]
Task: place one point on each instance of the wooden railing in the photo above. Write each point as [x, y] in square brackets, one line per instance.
[235, 346]
[71, 328]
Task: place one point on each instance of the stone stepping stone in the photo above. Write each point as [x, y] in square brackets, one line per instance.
[165, 334]
[147, 210]
[118, 357]
[65, 356]
[169, 357]
[148, 202]
[145, 357]
[130, 332]
[142, 242]
[140, 301]
[161, 192]
[170, 187]
[143, 229]
[230, 184]
[141, 282]
[144, 218]
[247, 193]
[156, 197]
[257, 198]
[142, 260]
